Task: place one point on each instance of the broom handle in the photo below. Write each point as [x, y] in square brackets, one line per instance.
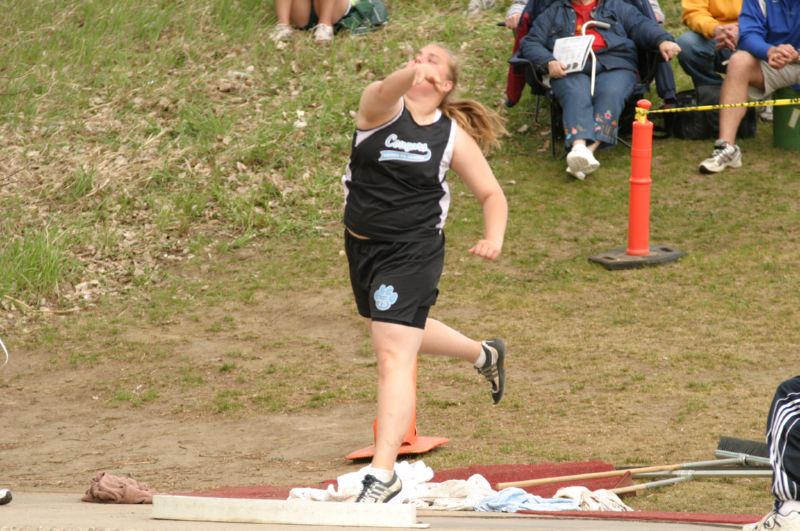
[590, 475]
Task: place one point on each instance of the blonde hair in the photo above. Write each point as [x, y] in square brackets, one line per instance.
[478, 121]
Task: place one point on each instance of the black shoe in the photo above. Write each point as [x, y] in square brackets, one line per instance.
[5, 496]
[376, 491]
[493, 369]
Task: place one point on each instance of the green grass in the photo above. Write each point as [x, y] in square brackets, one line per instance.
[34, 263]
[156, 149]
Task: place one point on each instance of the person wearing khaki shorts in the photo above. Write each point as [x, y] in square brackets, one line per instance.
[768, 59]
[774, 79]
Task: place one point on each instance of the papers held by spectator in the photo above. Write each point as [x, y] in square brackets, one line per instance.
[573, 51]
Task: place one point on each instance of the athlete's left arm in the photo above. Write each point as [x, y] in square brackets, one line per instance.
[471, 166]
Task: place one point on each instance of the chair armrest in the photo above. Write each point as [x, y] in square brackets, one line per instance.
[533, 77]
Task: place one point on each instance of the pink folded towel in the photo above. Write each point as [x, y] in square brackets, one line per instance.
[107, 488]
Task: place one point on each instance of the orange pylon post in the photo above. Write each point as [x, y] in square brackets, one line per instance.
[640, 181]
[413, 443]
[639, 252]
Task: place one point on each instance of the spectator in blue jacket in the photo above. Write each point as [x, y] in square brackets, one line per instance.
[767, 60]
[592, 120]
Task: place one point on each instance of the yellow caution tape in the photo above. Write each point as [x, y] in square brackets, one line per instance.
[775, 103]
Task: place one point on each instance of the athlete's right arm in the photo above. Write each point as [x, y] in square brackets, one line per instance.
[382, 100]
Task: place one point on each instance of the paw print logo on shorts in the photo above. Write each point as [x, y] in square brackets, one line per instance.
[385, 297]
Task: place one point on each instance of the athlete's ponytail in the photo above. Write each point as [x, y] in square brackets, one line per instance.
[481, 123]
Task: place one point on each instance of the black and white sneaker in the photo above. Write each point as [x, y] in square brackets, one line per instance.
[493, 369]
[376, 491]
[5, 496]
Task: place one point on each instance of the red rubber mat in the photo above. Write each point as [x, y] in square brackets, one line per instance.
[507, 473]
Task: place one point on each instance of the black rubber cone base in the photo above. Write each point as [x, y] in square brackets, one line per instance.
[619, 259]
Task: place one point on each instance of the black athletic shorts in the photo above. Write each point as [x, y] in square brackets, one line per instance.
[395, 282]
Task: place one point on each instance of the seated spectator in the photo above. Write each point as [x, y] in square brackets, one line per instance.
[783, 442]
[767, 59]
[318, 16]
[517, 7]
[592, 120]
[712, 38]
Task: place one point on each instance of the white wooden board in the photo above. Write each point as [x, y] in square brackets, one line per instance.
[240, 510]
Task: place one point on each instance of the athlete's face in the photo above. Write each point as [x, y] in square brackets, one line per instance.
[438, 58]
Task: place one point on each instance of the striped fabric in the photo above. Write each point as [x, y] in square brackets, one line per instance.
[783, 439]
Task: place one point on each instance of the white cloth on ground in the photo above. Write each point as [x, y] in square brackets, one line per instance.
[513, 499]
[475, 493]
[454, 494]
[598, 500]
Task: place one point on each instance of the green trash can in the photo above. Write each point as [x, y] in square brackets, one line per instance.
[786, 121]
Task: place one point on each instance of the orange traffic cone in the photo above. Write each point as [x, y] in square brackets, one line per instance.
[413, 443]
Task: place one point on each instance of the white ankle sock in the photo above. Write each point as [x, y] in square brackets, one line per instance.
[481, 358]
[382, 474]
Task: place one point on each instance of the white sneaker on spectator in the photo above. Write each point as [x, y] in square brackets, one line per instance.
[281, 33]
[323, 33]
[725, 155]
[775, 520]
[578, 174]
[580, 159]
[766, 113]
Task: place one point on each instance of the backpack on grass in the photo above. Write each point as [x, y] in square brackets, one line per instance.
[701, 125]
[364, 16]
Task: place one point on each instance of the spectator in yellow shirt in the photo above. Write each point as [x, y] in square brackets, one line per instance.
[711, 39]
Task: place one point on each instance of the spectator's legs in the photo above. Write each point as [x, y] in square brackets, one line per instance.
[698, 59]
[294, 12]
[572, 93]
[330, 11]
[612, 89]
[743, 70]
[282, 10]
[783, 439]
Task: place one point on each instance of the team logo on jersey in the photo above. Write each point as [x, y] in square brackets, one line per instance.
[384, 297]
[405, 151]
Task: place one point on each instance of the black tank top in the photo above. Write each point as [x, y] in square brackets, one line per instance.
[395, 186]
